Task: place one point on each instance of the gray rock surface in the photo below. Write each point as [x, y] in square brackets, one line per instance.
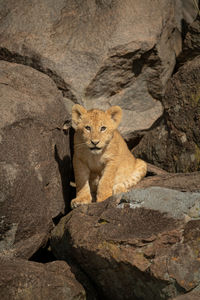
[98, 52]
[174, 203]
[34, 158]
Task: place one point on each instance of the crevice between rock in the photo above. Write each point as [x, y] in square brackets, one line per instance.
[35, 63]
[123, 68]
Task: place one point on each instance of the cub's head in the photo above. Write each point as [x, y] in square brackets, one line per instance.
[96, 127]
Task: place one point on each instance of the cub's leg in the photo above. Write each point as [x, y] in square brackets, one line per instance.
[105, 187]
[82, 174]
[94, 182]
[124, 183]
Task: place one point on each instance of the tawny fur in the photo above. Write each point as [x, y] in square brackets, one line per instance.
[108, 169]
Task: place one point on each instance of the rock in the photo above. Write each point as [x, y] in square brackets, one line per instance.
[145, 247]
[174, 203]
[186, 12]
[24, 280]
[185, 182]
[189, 296]
[99, 53]
[175, 144]
[34, 164]
[191, 43]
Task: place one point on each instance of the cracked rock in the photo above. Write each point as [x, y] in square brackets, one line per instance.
[34, 158]
[175, 144]
[145, 251]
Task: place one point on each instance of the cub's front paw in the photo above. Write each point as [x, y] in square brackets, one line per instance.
[80, 201]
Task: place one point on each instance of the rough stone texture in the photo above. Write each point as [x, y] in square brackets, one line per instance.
[24, 280]
[175, 144]
[191, 43]
[145, 247]
[186, 12]
[34, 158]
[189, 296]
[172, 202]
[185, 182]
[98, 52]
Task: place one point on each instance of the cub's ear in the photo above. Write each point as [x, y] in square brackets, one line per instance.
[77, 113]
[116, 114]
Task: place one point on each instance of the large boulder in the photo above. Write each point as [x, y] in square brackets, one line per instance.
[99, 53]
[175, 143]
[34, 158]
[144, 247]
[24, 280]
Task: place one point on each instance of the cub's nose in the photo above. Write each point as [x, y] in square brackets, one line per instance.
[94, 142]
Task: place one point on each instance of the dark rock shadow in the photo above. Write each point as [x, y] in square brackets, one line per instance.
[64, 166]
[72, 188]
[43, 255]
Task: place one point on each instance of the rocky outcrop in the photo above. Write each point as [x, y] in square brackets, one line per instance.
[34, 152]
[142, 245]
[24, 280]
[184, 182]
[175, 143]
[99, 53]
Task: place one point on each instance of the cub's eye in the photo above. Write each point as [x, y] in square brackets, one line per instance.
[88, 128]
[103, 128]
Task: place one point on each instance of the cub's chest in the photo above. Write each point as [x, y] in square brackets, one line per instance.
[95, 163]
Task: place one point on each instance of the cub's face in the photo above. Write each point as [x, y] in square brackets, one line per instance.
[95, 127]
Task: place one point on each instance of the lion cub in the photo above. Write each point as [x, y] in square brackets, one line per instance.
[103, 164]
